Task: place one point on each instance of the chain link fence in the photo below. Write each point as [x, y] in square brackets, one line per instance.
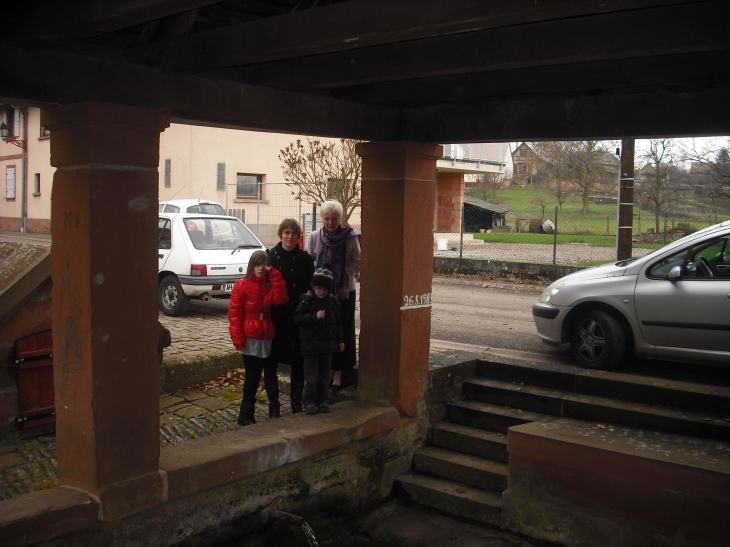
[275, 201]
[487, 231]
[480, 230]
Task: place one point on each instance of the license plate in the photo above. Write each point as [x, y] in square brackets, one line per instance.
[228, 287]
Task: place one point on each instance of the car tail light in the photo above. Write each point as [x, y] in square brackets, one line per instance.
[216, 287]
[199, 269]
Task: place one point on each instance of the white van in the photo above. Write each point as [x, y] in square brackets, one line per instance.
[200, 255]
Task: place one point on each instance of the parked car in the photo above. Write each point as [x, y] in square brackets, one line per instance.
[200, 255]
[671, 304]
[191, 206]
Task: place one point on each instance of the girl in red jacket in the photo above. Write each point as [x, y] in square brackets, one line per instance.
[252, 330]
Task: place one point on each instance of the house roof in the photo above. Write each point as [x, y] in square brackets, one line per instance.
[493, 207]
[590, 69]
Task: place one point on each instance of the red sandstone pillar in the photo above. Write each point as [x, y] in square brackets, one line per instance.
[104, 270]
[398, 199]
[449, 202]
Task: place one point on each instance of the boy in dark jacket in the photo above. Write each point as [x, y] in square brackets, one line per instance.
[320, 331]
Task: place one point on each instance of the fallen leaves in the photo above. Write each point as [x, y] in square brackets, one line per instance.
[231, 379]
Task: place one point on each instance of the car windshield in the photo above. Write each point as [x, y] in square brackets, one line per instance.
[206, 209]
[219, 233]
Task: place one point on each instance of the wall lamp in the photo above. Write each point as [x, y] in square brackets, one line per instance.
[4, 130]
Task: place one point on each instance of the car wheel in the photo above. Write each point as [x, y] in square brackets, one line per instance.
[172, 299]
[598, 341]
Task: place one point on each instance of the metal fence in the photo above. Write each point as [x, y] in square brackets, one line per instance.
[488, 232]
[485, 231]
[274, 202]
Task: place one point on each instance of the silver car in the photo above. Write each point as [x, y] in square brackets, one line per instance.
[672, 304]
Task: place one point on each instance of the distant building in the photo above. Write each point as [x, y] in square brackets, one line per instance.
[525, 164]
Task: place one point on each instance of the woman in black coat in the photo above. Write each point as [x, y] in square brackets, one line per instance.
[297, 267]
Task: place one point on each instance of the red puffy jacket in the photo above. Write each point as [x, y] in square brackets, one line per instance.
[249, 314]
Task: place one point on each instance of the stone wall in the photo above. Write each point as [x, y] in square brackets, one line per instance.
[226, 487]
[497, 269]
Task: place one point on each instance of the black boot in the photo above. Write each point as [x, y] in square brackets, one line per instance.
[246, 416]
[272, 393]
[296, 397]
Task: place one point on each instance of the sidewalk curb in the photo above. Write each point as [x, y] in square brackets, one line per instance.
[182, 373]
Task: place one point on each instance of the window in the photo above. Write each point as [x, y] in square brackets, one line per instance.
[220, 233]
[220, 181]
[706, 260]
[10, 182]
[11, 117]
[168, 164]
[248, 186]
[206, 209]
[165, 236]
[37, 185]
[45, 133]
[172, 208]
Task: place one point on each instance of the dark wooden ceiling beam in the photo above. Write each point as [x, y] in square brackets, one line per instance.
[683, 29]
[631, 115]
[362, 23]
[49, 78]
[50, 23]
[583, 78]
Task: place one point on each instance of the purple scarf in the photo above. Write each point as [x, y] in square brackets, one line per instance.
[334, 252]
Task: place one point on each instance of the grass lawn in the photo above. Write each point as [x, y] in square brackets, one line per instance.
[547, 239]
[600, 220]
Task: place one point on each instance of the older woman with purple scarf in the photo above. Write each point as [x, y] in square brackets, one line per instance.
[338, 245]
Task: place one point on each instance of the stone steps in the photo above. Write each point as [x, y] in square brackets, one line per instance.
[450, 497]
[637, 387]
[470, 440]
[596, 408]
[465, 469]
[474, 471]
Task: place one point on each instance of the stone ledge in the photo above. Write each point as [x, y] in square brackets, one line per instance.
[184, 372]
[40, 516]
[200, 464]
[578, 483]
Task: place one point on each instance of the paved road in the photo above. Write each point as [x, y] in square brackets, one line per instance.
[496, 315]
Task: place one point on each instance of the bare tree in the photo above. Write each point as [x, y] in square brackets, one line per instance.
[587, 164]
[488, 184]
[710, 170]
[324, 170]
[659, 155]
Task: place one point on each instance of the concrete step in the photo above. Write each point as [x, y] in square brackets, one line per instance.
[603, 409]
[450, 497]
[639, 386]
[470, 470]
[491, 417]
[470, 440]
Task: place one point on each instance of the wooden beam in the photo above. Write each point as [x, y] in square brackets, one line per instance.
[626, 74]
[672, 30]
[50, 23]
[636, 115]
[358, 24]
[53, 77]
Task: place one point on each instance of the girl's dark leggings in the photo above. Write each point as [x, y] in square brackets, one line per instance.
[253, 367]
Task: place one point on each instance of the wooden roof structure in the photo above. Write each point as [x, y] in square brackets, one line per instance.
[421, 70]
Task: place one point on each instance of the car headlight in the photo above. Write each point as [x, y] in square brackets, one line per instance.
[547, 293]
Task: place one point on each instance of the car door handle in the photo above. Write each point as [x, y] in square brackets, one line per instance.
[160, 256]
[722, 267]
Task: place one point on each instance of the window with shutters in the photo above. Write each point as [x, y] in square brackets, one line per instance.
[168, 164]
[10, 182]
[220, 183]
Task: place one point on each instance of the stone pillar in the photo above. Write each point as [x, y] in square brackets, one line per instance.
[449, 202]
[398, 199]
[104, 270]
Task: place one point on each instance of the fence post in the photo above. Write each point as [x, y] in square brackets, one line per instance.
[555, 236]
[665, 227]
[258, 208]
[461, 237]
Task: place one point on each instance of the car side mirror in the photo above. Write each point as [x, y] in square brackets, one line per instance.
[675, 273]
